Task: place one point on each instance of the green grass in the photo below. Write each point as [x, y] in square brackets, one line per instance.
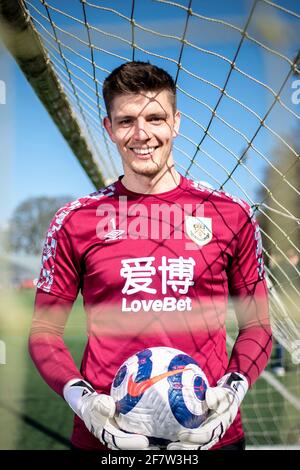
[32, 416]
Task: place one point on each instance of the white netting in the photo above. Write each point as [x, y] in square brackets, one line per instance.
[236, 66]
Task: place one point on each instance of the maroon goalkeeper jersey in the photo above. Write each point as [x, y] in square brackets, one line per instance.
[153, 270]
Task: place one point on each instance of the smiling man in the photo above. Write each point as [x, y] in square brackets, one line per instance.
[156, 257]
[143, 127]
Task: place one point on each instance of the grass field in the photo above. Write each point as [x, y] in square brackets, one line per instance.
[32, 416]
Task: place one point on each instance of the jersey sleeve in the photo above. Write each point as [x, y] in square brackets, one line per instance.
[247, 285]
[47, 349]
[60, 270]
[253, 346]
[247, 265]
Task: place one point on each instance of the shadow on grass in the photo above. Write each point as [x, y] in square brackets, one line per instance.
[36, 425]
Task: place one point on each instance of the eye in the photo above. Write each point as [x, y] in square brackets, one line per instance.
[125, 122]
[156, 119]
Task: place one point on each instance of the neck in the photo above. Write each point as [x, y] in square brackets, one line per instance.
[164, 181]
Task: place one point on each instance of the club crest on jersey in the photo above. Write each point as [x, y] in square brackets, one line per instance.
[199, 229]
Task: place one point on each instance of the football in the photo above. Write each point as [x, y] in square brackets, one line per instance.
[158, 392]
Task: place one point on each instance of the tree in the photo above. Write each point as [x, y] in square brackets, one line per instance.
[29, 223]
[282, 197]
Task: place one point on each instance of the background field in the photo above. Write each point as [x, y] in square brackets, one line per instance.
[32, 416]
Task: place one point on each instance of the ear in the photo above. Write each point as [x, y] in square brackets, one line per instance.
[108, 127]
[177, 118]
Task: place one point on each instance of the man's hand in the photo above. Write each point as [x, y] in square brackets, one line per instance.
[97, 411]
[223, 401]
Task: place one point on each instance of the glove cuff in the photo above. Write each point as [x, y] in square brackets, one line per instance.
[235, 383]
[75, 392]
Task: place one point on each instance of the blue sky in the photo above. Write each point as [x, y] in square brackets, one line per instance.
[39, 160]
[35, 159]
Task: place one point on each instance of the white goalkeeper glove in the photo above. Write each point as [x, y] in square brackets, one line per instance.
[223, 401]
[97, 411]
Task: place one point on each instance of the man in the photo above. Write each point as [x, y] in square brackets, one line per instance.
[152, 235]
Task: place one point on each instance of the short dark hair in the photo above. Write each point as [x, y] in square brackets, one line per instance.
[135, 77]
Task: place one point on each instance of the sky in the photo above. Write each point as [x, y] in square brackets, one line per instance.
[35, 159]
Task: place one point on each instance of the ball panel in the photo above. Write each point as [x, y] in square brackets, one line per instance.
[120, 376]
[185, 405]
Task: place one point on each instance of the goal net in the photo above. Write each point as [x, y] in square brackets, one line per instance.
[236, 66]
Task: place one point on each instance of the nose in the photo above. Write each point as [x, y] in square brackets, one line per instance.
[140, 129]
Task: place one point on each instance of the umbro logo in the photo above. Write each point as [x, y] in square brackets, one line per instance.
[114, 235]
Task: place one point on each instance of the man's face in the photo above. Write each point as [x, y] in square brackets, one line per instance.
[143, 127]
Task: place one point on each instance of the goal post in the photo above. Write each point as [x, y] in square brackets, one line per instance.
[24, 43]
[238, 84]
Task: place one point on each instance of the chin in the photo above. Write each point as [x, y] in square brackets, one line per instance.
[143, 170]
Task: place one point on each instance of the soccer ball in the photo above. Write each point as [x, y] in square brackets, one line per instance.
[159, 392]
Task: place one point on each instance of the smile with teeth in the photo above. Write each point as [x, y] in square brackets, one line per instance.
[143, 151]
